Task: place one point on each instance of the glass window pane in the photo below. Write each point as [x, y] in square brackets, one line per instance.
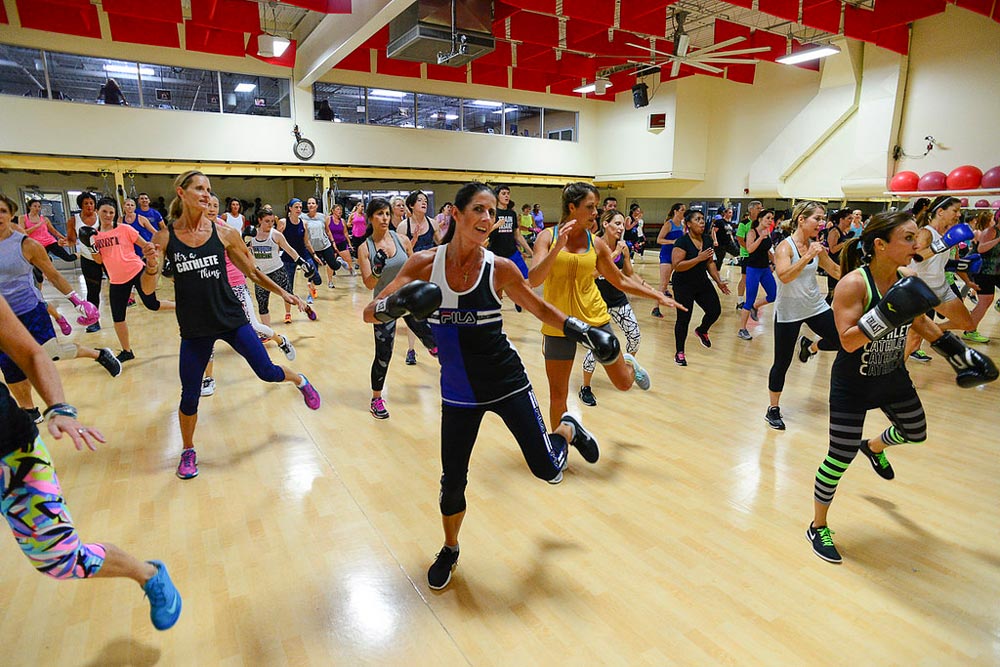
[341, 104]
[522, 121]
[255, 95]
[439, 113]
[390, 107]
[165, 87]
[22, 72]
[560, 125]
[94, 80]
[482, 116]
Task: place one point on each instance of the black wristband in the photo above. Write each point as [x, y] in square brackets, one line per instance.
[64, 409]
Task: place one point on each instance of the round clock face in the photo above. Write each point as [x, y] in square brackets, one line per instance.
[304, 149]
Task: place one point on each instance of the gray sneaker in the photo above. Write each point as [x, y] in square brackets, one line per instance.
[641, 376]
[743, 334]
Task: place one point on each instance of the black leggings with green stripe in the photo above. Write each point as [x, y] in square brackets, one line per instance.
[847, 420]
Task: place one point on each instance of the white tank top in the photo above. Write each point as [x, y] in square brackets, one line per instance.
[799, 299]
[79, 224]
[266, 253]
[236, 222]
[931, 270]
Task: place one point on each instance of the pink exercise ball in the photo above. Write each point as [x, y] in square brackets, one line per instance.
[965, 202]
[904, 181]
[983, 203]
[966, 177]
[991, 179]
[932, 180]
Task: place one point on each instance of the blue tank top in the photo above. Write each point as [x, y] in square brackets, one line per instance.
[295, 235]
[676, 231]
[16, 282]
[479, 366]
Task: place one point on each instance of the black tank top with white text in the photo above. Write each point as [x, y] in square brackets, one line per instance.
[206, 304]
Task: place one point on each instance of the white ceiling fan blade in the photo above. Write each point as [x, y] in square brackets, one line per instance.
[725, 61]
[720, 45]
[648, 48]
[726, 54]
[702, 66]
[675, 68]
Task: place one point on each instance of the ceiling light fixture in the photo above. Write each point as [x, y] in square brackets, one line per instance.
[393, 94]
[815, 53]
[245, 88]
[271, 46]
[599, 87]
[130, 69]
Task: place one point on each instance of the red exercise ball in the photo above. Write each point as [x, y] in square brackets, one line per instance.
[965, 202]
[991, 179]
[983, 203]
[904, 181]
[966, 177]
[933, 180]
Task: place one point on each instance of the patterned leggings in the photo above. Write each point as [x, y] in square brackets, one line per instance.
[280, 277]
[242, 293]
[909, 425]
[32, 503]
[625, 319]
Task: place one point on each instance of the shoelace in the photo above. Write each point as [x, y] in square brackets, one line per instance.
[188, 457]
[378, 405]
[154, 591]
[882, 461]
[825, 536]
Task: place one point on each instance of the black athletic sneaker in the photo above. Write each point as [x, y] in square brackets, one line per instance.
[823, 543]
[680, 359]
[585, 443]
[879, 463]
[96, 326]
[106, 358]
[439, 574]
[703, 337]
[773, 418]
[587, 396]
[125, 355]
[804, 352]
[35, 414]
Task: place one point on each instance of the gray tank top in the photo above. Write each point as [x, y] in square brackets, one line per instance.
[799, 299]
[266, 254]
[16, 282]
[392, 264]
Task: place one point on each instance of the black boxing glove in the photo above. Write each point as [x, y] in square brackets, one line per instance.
[419, 299]
[86, 236]
[307, 265]
[603, 344]
[249, 232]
[378, 262]
[906, 300]
[971, 367]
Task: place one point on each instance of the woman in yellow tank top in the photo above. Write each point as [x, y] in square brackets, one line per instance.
[567, 257]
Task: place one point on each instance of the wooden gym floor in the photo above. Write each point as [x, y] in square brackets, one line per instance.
[307, 536]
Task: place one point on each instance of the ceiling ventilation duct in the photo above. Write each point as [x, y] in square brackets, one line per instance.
[443, 32]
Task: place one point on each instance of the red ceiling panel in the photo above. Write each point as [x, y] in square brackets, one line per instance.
[158, 10]
[360, 60]
[785, 9]
[996, 13]
[777, 44]
[897, 12]
[232, 15]
[538, 58]
[394, 67]
[809, 64]
[501, 55]
[580, 33]
[741, 3]
[598, 11]
[136, 30]
[616, 46]
[526, 79]
[445, 73]
[725, 30]
[822, 15]
[325, 6]
[859, 23]
[565, 87]
[620, 82]
[501, 10]
[896, 38]
[487, 75]
[377, 41]
[534, 28]
[3, 14]
[287, 58]
[650, 18]
[547, 6]
[573, 65]
[979, 6]
[59, 17]
[211, 40]
[741, 73]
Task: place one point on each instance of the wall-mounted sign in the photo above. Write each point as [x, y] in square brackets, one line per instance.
[657, 121]
[162, 95]
[259, 102]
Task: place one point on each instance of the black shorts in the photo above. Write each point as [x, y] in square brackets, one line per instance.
[987, 283]
[560, 348]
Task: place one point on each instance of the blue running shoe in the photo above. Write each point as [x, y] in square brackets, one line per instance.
[641, 376]
[164, 600]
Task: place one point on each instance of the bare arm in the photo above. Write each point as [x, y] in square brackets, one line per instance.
[519, 239]
[661, 236]
[52, 230]
[508, 279]
[365, 264]
[417, 267]
[145, 223]
[545, 252]
[34, 252]
[629, 284]
[986, 246]
[829, 265]
[154, 265]
[754, 239]
[848, 307]
[239, 255]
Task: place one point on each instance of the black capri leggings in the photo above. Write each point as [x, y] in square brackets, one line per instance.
[702, 293]
[329, 257]
[785, 335]
[93, 274]
[544, 452]
[57, 251]
[385, 335]
[119, 295]
[280, 277]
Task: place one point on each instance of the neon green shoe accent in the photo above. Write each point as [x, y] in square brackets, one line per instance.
[975, 337]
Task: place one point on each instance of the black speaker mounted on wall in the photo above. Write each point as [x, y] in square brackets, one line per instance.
[640, 95]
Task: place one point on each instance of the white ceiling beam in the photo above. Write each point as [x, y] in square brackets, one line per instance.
[337, 35]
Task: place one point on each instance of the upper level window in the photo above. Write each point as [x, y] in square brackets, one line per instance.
[22, 72]
[166, 87]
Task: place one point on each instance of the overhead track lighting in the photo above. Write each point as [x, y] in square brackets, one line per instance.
[815, 53]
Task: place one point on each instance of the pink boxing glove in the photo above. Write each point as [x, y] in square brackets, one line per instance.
[88, 311]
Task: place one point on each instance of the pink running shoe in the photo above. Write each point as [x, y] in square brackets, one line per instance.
[310, 313]
[433, 351]
[188, 466]
[309, 394]
[64, 326]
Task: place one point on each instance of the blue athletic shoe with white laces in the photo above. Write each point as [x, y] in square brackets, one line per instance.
[641, 376]
[164, 600]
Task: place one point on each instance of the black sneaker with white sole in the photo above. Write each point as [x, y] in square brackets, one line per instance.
[805, 354]
[822, 543]
[439, 573]
[587, 396]
[773, 418]
[125, 355]
[880, 464]
[107, 359]
[584, 442]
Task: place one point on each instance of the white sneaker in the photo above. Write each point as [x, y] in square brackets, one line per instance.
[286, 346]
[207, 386]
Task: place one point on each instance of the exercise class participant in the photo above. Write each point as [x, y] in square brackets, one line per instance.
[358, 227]
[139, 223]
[837, 237]
[753, 210]
[294, 230]
[318, 239]
[988, 277]
[567, 258]
[611, 228]
[113, 247]
[480, 370]
[339, 236]
[758, 271]
[505, 239]
[381, 257]
[266, 246]
[693, 262]
[799, 302]
[40, 228]
[671, 230]
[874, 309]
[208, 310]
[234, 215]
[31, 498]
[422, 233]
[93, 273]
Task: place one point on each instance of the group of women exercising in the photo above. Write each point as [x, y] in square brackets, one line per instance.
[449, 288]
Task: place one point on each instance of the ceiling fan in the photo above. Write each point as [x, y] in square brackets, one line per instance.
[705, 58]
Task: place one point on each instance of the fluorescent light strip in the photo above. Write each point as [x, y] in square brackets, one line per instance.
[129, 69]
[809, 54]
[245, 88]
[382, 94]
[485, 103]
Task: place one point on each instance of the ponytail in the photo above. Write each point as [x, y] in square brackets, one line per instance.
[852, 256]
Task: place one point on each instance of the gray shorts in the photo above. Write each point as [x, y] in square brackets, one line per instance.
[560, 348]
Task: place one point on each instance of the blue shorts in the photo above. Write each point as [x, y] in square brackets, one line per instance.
[520, 263]
[666, 254]
[39, 325]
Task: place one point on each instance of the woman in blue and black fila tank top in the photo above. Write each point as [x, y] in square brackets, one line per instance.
[207, 308]
[874, 311]
[480, 370]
